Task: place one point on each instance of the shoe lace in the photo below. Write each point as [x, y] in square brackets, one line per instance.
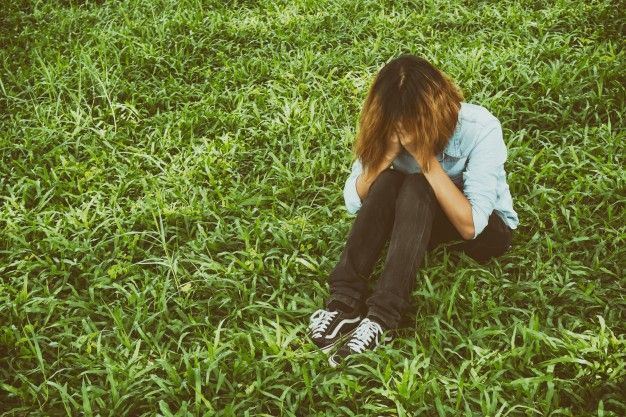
[363, 334]
[319, 321]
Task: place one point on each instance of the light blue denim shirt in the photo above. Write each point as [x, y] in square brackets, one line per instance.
[473, 159]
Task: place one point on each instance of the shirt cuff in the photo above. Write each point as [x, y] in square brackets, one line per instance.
[351, 197]
[480, 220]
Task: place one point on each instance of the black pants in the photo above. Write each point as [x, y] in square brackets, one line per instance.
[402, 207]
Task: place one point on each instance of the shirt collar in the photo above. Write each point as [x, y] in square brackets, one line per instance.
[453, 147]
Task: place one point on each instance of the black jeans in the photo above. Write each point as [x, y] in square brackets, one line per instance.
[405, 208]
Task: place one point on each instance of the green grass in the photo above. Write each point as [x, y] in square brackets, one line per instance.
[171, 179]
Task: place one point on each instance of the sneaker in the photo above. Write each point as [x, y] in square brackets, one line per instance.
[328, 327]
[368, 336]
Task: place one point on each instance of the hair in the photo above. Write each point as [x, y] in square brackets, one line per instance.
[411, 93]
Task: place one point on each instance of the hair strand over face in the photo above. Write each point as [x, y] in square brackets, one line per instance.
[411, 93]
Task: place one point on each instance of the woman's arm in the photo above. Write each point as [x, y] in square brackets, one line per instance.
[469, 210]
[453, 202]
[358, 183]
[367, 177]
[480, 178]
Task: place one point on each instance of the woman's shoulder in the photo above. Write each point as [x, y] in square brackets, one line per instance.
[476, 114]
[474, 122]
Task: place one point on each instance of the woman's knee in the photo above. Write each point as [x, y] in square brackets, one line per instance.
[416, 198]
[416, 186]
[387, 182]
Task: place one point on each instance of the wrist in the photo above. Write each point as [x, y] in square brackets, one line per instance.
[371, 173]
[386, 163]
[383, 166]
[433, 166]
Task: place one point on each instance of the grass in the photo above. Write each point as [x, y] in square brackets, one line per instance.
[171, 206]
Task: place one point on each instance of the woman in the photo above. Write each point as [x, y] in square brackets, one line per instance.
[429, 169]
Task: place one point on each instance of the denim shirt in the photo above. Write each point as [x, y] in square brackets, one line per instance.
[473, 159]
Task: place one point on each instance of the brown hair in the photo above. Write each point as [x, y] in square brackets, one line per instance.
[409, 91]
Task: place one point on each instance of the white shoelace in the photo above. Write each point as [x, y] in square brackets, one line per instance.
[320, 320]
[363, 334]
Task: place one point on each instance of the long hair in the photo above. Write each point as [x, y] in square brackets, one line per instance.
[411, 93]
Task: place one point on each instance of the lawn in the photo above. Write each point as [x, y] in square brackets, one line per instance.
[171, 205]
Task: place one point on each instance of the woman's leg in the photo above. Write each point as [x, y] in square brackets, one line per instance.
[370, 231]
[492, 242]
[420, 225]
[415, 210]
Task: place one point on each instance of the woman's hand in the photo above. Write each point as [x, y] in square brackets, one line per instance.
[393, 148]
[370, 173]
[409, 143]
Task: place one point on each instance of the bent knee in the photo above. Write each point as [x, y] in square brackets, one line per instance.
[416, 183]
[388, 179]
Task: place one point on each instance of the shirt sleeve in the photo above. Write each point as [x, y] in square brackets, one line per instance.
[350, 195]
[480, 178]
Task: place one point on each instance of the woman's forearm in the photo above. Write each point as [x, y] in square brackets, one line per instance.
[452, 200]
[367, 177]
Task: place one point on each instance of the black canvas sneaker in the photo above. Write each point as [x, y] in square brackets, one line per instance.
[368, 336]
[328, 327]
